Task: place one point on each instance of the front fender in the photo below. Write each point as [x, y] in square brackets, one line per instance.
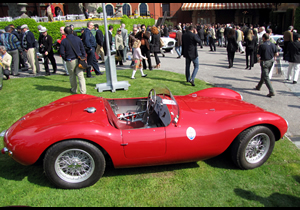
[28, 148]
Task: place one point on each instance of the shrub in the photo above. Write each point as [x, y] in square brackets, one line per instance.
[130, 22]
[297, 19]
[100, 10]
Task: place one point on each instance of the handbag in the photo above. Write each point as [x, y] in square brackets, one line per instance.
[161, 43]
[118, 57]
[81, 60]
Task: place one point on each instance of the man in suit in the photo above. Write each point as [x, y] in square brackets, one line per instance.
[124, 33]
[110, 29]
[99, 40]
[90, 43]
[189, 49]
[201, 35]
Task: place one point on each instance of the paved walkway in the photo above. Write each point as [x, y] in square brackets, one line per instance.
[213, 69]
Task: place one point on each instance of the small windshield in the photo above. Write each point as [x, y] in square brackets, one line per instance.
[167, 98]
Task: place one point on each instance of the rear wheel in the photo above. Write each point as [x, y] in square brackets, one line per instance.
[74, 164]
[252, 147]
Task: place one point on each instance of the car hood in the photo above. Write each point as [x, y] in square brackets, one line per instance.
[61, 112]
[201, 104]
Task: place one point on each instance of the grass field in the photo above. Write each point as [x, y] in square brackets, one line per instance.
[213, 182]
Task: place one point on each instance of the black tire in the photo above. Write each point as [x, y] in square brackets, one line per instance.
[252, 147]
[74, 164]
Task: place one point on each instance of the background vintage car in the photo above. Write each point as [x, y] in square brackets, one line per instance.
[169, 43]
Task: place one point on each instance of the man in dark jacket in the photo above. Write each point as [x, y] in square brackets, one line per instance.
[99, 40]
[67, 53]
[201, 36]
[293, 52]
[89, 41]
[144, 36]
[189, 49]
[28, 44]
[110, 29]
[45, 43]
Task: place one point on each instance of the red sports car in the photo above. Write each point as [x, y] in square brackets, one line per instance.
[77, 135]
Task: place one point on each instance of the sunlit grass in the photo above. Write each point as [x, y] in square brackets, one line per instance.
[213, 182]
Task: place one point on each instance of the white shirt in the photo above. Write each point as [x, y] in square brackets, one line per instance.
[137, 55]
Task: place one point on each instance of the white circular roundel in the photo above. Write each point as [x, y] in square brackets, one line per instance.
[191, 133]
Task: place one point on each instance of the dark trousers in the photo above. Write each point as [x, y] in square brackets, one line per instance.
[285, 44]
[201, 43]
[212, 44]
[146, 53]
[156, 58]
[21, 60]
[251, 54]
[50, 57]
[265, 70]
[91, 60]
[230, 58]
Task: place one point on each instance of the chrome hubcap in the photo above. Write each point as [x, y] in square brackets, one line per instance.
[74, 165]
[257, 148]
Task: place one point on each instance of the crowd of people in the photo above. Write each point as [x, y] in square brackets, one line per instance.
[18, 48]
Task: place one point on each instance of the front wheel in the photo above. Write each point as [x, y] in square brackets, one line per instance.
[252, 147]
[74, 164]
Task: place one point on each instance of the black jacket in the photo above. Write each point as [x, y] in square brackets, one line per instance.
[99, 37]
[166, 32]
[250, 45]
[232, 45]
[189, 45]
[110, 42]
[155, 41]
[201, 33]
[293, 52]
[66, 50]
[46, 41]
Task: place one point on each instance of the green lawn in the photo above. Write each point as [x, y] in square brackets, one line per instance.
[213, 182]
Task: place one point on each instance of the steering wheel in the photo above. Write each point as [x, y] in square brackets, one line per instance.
[151, 100]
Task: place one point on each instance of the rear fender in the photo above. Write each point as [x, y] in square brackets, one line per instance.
[218, 92]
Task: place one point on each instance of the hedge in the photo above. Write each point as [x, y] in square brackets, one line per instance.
[53, 27]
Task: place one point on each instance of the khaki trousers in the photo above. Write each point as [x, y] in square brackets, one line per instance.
[100, 51]
[15, 61]
[32, 59]
[74, 71]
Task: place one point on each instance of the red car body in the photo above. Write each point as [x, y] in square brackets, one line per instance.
[200, 125]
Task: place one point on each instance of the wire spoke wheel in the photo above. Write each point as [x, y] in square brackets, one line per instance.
[257, 148]
[74, 165]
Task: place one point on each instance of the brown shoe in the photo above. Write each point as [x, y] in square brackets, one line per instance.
[270, 95]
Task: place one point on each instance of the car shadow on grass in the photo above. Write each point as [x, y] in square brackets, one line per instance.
[274, 200]
[11, 170]
[110, 171]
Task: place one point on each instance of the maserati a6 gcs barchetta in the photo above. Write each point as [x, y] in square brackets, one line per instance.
[77, 135]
